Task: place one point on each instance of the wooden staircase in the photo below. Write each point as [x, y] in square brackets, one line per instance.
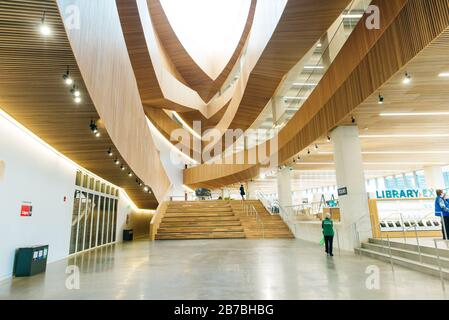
[273, 225]
[200, 220]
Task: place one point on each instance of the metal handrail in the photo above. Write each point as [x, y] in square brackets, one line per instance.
[250, 211]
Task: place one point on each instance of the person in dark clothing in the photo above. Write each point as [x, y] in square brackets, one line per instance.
[328, 233]
[442, 210]
[242, 192]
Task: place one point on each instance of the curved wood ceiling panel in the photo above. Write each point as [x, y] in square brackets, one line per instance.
[32, 92]
[367, 60]
[102, 56]
[195, 77]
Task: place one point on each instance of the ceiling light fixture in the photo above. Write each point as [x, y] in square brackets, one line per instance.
[444, 75]
[110, 153]
[117, 161]
[313, 67]
[377, 136]
[316, 147]
[93, 127]
[44, 28]
[146, 189]
[352, 16]
[77, 100]
[407, 78]
[67, 79]
[353, 119]
[130, 174]
[328, 139]
[75, 91]
[122, 168]
[413, 114]
[304, 84]
[381, 99]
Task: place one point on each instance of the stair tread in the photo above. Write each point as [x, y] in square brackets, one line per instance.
[407, 251]
[430, 266]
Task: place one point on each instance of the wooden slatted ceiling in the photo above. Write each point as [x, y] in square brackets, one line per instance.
[301, 25]
[32, 91]
[384, 53]
[196, 78]
[149, 89]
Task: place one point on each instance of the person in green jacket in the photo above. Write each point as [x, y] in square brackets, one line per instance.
[328, 233]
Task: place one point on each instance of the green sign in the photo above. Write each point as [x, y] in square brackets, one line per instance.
[405, 194]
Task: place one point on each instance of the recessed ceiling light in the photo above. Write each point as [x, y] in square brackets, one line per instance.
[377, 136]
[313, 67]
[413, 114]
[77, 100]
[352, 16]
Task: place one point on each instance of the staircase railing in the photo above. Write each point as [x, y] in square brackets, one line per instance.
[265, 201]
[250, 211]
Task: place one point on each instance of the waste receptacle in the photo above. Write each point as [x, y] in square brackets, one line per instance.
[30, 261]
[128, 235]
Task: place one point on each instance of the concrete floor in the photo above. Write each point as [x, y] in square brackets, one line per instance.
[222, 269]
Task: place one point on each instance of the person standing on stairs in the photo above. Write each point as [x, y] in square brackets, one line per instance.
[242, 192]
[328, 233]
[442, 210]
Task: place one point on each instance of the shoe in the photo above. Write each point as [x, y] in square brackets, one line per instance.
[331, 254]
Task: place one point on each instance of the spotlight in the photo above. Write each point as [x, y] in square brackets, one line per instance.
[328, 139]
[407, 78]
[130, 174]
[308, 151]
[98, 135]
[381, 99]
[67, 79]
[294, 160]
[122, 168]
[140, 184]
[146, 189]
[77, 100]
[110, 153]
[44, 28]
[316, 147]
[117, 161]
[93, 127]
[75, 91]
[352, 119]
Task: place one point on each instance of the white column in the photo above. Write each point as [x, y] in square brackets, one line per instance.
[284, 186]
[251, 190]
[434, 177]
[350, 174]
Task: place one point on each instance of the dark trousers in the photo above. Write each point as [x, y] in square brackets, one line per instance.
[328, 241]
[445, 227]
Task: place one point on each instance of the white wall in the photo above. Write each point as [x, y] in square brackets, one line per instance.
[34, 173]
[31, 171]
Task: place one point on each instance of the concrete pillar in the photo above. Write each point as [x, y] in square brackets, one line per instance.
[434, 177]
[284, 186]
[251, 190]
[350, 174]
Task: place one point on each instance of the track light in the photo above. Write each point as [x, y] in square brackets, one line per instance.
[67, 79]
[316, 147]
[117, 161]
[93, 127]
[308, 151]
[328, 139]
[77, 100]
[110, 153]
[130, 174]
[381, 99]
[75, 91]
[146, 189]
[122, 168]
[407, 78]
[352, 119]
[44, 29]
[98, 134]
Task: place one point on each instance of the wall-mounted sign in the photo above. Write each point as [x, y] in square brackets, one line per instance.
[342, 191]
[405, 194]
[26, 209]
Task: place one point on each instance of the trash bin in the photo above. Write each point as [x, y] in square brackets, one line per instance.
[128, 235]
[30, 261]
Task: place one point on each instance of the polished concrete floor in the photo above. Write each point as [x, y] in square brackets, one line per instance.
[223, 269]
